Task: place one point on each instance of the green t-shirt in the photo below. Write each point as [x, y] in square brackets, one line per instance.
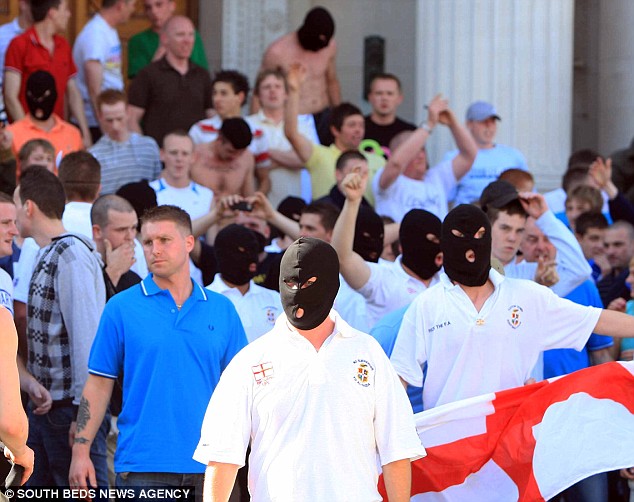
[143, 45]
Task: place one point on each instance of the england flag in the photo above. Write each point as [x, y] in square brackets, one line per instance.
[527, 443]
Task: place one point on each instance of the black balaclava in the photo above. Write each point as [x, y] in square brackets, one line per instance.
[317, 30]
[306, 258]
[41, 94]
[466, 220]
[236, 131]
[419, 253]
[236, 249]
[368, 234]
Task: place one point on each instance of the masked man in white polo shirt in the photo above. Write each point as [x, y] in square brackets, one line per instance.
[481, 332]
[291, 393]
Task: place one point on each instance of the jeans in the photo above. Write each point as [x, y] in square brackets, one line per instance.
[145, 480]
[48, 437]
[590, 489]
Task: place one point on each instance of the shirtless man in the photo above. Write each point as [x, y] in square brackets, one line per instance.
[225, 165]
[312, 45]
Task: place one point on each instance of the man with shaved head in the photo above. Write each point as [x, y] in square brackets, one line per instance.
[173, 92]
[146, 47]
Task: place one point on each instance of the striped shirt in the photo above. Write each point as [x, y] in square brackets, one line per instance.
[134, 160]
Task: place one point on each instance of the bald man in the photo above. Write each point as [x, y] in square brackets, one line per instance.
[173, 92]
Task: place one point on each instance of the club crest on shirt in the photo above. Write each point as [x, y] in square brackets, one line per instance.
[363, 374]
[271, 314]
[263, 373]
[515, 317]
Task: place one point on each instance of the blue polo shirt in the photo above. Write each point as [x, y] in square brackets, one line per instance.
[171, 361]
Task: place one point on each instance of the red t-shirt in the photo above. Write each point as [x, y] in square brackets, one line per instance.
[26, 55]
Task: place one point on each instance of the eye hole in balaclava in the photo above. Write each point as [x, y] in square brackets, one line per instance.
[466, 245]
[309, 282]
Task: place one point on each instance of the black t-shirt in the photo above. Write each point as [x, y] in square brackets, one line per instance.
[384, 133]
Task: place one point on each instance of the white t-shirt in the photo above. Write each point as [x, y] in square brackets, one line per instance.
[206, 131]
[318, 421]
[98, 41]
[351, 306]
[6, 291]
[466, 353]
[389, 288]
[8, 32]
[258, 308]
[285, 182]
[406, 193]
[195, 199]
[23, 269]
[76, 218]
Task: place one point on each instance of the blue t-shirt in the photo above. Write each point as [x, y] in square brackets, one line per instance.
[487, 166]
[384, 332]
[171, 361]
[559, 362]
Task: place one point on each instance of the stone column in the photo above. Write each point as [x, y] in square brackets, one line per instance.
[615, 126]
[517, 54]
[248, 27]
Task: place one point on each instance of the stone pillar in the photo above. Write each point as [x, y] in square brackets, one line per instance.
[616, 74]
[517, 54]
[248, 27]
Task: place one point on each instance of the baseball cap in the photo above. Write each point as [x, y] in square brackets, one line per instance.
[481, 110]
[498, 194]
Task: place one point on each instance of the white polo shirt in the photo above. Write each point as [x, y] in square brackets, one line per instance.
[389, 288]
[206, 131]
[258, 308]
[195, 199]
[320, 422]
[467, 353]
[405, 194]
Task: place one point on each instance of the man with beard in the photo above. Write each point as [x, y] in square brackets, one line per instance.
[281, 390]
[443, 332]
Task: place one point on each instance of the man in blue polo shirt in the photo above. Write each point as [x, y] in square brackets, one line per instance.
[171, 339]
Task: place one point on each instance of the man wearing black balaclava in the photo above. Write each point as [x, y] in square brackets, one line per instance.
[476, 331]
[237, 248]
[290, 394]
[390, 285]
[312, 45]
[41, 121]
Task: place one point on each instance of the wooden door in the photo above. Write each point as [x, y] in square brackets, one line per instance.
[8, 10]
[82, 11]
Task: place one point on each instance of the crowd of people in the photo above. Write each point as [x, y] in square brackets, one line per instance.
[151, 232]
